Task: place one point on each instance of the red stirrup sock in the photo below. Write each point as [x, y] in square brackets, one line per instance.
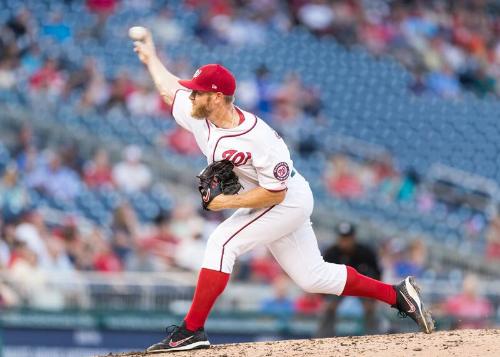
[360, 285]
[211, 283]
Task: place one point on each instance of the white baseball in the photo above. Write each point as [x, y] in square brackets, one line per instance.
[137, 33]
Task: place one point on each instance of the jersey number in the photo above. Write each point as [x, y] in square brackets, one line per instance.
[237, 157]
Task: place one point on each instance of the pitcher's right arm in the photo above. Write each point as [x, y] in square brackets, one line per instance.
[166, 82]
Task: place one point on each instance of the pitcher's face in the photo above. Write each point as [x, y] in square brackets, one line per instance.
[201, 104]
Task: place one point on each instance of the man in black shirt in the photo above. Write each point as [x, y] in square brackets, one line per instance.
[346, 250]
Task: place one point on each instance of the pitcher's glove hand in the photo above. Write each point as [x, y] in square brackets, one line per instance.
[217, 178]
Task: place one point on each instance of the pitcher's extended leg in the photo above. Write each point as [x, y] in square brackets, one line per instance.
[299, 255]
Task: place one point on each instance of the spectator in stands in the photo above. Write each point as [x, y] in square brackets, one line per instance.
[8, 297]
[414, 260]
[479, 80]
[190, 250]
[309, 304]
[56, 28]
[469, 309]
[182, 142]
[161, 241]
[31, 61]
[443, 83]
[185, 219]
[25, 272]
[98, 172]
[212, 31]
[80, 75]
[27, 161]
[341, 178]
[96, 91]
[71, 157]
[7, 74]
[58, 260]
[143, 260]
[288, 99]
[48, 80]
[14, 198]
[120, 89]
[125, 228]
[265, 87]
[280, 304]
[390, 251]
[408, 187]
[102, 9]
[104, 259]
[143, 100]
[165, 26]
[316, 15]
[23, 27]
[54, 179]
[7, 238]
[81, 253]
[32, 231]
[132, 175]
[25, 139]
[263, 267]
[347, 250]
[493, 239]
[74, 246]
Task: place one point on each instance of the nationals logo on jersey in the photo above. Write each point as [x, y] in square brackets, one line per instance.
[238, 158]
[281, 171]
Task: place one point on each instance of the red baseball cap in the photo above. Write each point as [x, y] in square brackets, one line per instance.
[211, 78]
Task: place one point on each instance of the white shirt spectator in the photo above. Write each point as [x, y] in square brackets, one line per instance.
[316, 16]
[131, 175]
[28, 233]
[143, 101]
[189, 253]
[7, 76]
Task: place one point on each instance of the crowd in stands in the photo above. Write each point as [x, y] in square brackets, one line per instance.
[450, 46]
[32, 247]
[468, 308]
[290, 106]
[352, 178]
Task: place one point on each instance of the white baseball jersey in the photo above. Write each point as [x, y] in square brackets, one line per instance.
[260, 155]
[261, 158]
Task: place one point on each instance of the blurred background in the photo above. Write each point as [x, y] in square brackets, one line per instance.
[390, 108]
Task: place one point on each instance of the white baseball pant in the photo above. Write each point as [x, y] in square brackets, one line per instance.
[286, 230]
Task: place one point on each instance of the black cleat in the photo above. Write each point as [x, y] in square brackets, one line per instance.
[409, 303]
[181, 339]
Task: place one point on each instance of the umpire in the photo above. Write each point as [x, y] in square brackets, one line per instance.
[347, 250]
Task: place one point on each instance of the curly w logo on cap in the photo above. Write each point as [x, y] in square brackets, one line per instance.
[211, 78]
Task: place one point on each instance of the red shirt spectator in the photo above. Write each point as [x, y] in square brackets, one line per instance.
[493, 239]
[47, 77]
[264, 268]
[182, 142]
[346, 185]
[107, 261]
[98, 173]
[101, 6]
[211, 7]
[341, 179]
[468, 308]
[309, 304]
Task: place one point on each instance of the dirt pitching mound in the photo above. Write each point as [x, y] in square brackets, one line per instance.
[444, 343]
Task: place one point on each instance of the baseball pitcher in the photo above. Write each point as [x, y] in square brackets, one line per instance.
[250, 170]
